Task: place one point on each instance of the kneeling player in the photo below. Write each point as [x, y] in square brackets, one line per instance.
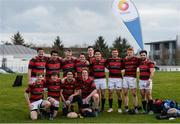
[70, 93]
[88, 90]
[146, 68]
[53, 87]
[34, 97]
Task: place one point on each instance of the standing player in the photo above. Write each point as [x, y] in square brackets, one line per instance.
[53, 87]
[88, 90]
[70, 93]
[37, 65]
[114, 65]
[80, 64]
[53, 64]
[98, 68]
[34, 97]
[68, 63]
[90, 53]
[146, 68]
[90, 57]
[130, 65]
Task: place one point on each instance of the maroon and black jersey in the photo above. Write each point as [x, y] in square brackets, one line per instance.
[69, 88]
[36, 91]
[68, 65]
[53, 88]
[90, 59]
[87, 87]
[53, 66]
[38, 65]
[144, 68]
[98, 68]
[130, 65]
[79, 66]
[115, 66]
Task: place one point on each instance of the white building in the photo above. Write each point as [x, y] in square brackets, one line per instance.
[16, 57]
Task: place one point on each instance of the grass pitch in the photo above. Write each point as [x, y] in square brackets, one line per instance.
[13, 108]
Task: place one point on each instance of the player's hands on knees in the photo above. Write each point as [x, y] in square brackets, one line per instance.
[70, 98]
[85, 101]
[30, 106]
[68, 102]
[51, 100]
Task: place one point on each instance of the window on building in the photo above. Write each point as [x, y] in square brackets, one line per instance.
[166, 45]
[174, 45]
[156, 47]
[156, 57]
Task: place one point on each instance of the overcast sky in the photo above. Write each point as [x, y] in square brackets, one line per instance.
[82, 21]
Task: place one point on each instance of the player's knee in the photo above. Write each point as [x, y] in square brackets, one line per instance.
[96, 97]
[142, 94]
[110, 94]
[134, 94]
[47, 104]
[51, 100]
[33, 117]
[149, 97]
[125, 93]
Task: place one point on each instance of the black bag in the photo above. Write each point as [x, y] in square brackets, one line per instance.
[18, 81]
[89, 114]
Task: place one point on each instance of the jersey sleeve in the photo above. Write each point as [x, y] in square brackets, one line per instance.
[122, 62]
[77, 85]
[28, 90]
[31, 64]
[138, 61]
[105, 63]
[62, 85]
[151, 64]
[93, 85]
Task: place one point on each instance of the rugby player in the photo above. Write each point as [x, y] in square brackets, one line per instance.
[80, 64]
[68, 63]
[53, 88]
[34, 97]
[146, 69]
[53, 64]
[70, 93]
[130, 65]
[98, 68]
[37, 65]
[114, 65]
[88, 90]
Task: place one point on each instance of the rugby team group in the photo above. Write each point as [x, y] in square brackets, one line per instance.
[84, 81]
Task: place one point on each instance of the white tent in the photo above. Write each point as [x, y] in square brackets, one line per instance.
[16, 57]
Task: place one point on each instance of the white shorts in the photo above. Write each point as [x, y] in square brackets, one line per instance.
[56, 103]
[35, 105]
[129, 83]
[100, 83]
[115, 83]
[32, 80]
[143, 84]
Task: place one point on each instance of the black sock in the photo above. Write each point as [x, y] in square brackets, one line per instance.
[126, 107]
[110, 103]
[135, 107]
[71, 108]
[103, 103]
[144, 103]
[52, 110]
[150, 105]
[119, 103]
